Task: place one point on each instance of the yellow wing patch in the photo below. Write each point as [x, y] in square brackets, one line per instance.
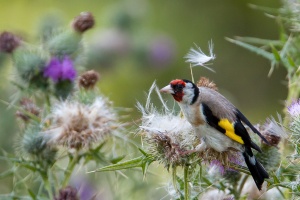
[225, 124]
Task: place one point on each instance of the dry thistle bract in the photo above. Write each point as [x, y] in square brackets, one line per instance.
[205, 82]
[28, 106]
[83, 22]
[67, 193]
[9, 42]
[88, 79]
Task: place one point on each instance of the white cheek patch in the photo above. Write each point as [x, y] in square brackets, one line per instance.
[188, 92]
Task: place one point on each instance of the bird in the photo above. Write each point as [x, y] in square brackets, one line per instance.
[218, 123]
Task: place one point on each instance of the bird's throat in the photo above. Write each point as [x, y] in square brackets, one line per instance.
[178, 96]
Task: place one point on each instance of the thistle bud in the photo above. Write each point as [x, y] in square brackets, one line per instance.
[205, 82]
[29, 64]
[83, 22]
[9, 42]
[29, 107]
[67, 193]
[272, 132]
[270, 156]
[64, 43]
[88, 79]
[34, 145]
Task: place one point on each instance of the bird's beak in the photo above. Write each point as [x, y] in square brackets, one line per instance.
[168, 89]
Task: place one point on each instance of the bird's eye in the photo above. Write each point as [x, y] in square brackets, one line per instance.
[178, 87]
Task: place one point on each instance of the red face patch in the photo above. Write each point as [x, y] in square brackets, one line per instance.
[177, 86]
[177, 82]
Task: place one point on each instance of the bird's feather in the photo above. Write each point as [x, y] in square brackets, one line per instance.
[234, 130]
[246, 121]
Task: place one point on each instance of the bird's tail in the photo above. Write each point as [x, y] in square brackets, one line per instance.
[257, 171]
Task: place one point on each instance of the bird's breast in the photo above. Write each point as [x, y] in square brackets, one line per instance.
[215, 139]
[193, 114]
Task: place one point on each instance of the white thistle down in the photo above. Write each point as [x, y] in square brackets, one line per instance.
[197, 58]
[77, 125]
[155, 122]
[272, 127]
[168, 136]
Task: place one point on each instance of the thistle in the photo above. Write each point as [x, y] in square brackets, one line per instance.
[67, 193]
[274, 133]
[33, 146]
[60, 69]
[28, 108]
[205, 82]
[88, 79]
[9, 42]
[76, 125]
[83, 22]
[169, 136]
[29, 64]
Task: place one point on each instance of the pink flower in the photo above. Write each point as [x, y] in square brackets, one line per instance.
[60, 69]
[294, 108]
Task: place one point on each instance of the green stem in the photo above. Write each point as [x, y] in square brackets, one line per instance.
[48, 103]
[293, 94]
[242, 186]
[186, 183]
[72, 163]
[47, 184]
[174, 180]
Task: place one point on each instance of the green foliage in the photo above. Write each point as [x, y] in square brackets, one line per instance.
[65, 43]
[51, 165]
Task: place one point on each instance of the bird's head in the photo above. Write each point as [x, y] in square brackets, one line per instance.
[182, 90]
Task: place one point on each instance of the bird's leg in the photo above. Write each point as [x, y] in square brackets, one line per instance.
[199, 148]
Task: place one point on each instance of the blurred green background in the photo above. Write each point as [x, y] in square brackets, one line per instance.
[124, 48]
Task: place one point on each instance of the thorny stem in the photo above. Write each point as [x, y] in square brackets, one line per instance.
[242, 185]
[48, 103]
[186, 183]
[72, 163]
[47, 184]
[174, 178]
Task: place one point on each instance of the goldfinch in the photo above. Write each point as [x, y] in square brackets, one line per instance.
[217, 122]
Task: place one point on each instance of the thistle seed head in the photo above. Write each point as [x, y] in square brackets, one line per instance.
[76, 125]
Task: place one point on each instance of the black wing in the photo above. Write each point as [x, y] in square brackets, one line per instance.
[246, 121]
[239, 129]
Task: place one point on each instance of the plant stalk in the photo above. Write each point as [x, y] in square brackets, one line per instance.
[47, 185]
[186, 183]
[72, 163]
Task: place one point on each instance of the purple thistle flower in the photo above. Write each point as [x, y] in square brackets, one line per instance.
[294, 108]
[161, 51]
[236, 159]
[58, 69]
[219, 165]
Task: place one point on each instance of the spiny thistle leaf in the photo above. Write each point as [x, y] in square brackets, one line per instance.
[259, 41]
[133, 163]
[117, 159]
[276, 53]
[252, 48]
